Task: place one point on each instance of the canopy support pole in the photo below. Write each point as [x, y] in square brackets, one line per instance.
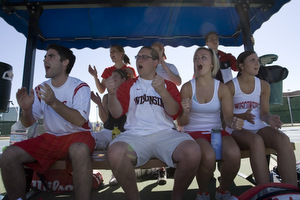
[34, 11]
[242, 7]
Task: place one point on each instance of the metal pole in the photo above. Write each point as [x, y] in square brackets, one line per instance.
[290, 110]
[34, 11]
[242, 8]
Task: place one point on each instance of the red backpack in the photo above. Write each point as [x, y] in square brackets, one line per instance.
[61, 181]
[271, 191]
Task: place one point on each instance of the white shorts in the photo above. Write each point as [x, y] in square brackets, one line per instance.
[230, 130]
[160, 145]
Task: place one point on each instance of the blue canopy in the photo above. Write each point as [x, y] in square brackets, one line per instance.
[101, 23]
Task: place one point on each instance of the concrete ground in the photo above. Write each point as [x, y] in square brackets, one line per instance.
[149, 189]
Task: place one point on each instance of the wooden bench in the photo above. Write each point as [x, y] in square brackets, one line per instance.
[99, 160]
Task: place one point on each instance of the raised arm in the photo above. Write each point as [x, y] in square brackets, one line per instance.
[102, 105]
[25, 102]
[100, 85]
[114, 106]
[174, 78]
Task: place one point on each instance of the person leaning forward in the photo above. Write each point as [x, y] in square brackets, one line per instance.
[151, 104]
[64, 104]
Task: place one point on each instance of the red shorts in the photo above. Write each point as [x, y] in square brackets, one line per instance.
[205, 134]
[46, 149]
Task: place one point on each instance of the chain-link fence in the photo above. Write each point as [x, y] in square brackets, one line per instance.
[289, 110]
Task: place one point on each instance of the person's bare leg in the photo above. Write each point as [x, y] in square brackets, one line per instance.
[230, 163]
[80, 157]
[207, 165]
[187, 155]
[255, 144]
[12, 171]
[286, 160]
[122, 159]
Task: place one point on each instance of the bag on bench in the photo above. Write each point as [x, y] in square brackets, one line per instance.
[275, 176]
[61, 181]
[271, 191]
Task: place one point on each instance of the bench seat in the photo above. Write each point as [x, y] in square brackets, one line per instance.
[99, 160]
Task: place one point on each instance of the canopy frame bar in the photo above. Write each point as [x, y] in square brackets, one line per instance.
[35, 12]
[135, 3]
[242, 8]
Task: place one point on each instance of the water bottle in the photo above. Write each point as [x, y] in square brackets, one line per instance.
[216, 142]
[18, 133]
[115, 132]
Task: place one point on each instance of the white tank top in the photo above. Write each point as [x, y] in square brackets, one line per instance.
[205, 116]
[242, 102]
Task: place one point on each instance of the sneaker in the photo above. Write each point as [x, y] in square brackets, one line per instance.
[113, 180]
[162, 176]
[226, 195]
[203, 196]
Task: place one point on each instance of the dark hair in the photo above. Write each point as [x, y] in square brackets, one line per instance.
[64, 53]
[210, 33]
[123, 73]
[161, 47]
[241, 58]
[126, 59]
[154, 53]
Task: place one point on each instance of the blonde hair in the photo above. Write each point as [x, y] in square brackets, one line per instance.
[214, 60]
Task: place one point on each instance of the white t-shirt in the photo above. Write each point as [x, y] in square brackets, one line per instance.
[144, 107]
[73, 93]
[226, 74]
[161, 72]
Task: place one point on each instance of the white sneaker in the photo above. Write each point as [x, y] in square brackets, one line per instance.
[162, 176]
[223, 195]
[113, 180]
[203, 196]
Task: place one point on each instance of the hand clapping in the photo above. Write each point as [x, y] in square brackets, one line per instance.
[93, 71]
[24, 100]
[249, 116]
[111, 85]
[46, 93]
[95, 98]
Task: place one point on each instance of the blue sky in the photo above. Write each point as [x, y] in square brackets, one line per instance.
[277, 36]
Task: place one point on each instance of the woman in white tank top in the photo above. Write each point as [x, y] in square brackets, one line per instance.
[251, 103]
[203, 98]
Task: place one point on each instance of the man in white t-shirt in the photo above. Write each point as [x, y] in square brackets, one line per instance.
[64, 104]
[151, 104]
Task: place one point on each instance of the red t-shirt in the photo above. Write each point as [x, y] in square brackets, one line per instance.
[109, 70]
[229, 59]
